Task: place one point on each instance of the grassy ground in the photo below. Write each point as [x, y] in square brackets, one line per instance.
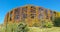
[53, 29]
[36, 29]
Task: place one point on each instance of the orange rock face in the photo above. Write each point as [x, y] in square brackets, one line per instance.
[28, 14]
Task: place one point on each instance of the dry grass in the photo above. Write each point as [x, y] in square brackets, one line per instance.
[53, 29]
[36, 29]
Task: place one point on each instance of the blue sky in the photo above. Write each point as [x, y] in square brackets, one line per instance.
[7, 5]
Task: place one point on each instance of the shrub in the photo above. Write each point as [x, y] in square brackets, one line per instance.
[14, 27]
[57, 22]
[2, 29]
[47, 24]
[22, 27]
[11, 27]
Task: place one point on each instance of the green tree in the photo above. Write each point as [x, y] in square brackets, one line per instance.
[57, 22]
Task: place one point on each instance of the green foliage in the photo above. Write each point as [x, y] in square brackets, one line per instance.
[22, 27]
[11, 27]
[47, 24]
[57, 22]
[14, 27]
[2, 29]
